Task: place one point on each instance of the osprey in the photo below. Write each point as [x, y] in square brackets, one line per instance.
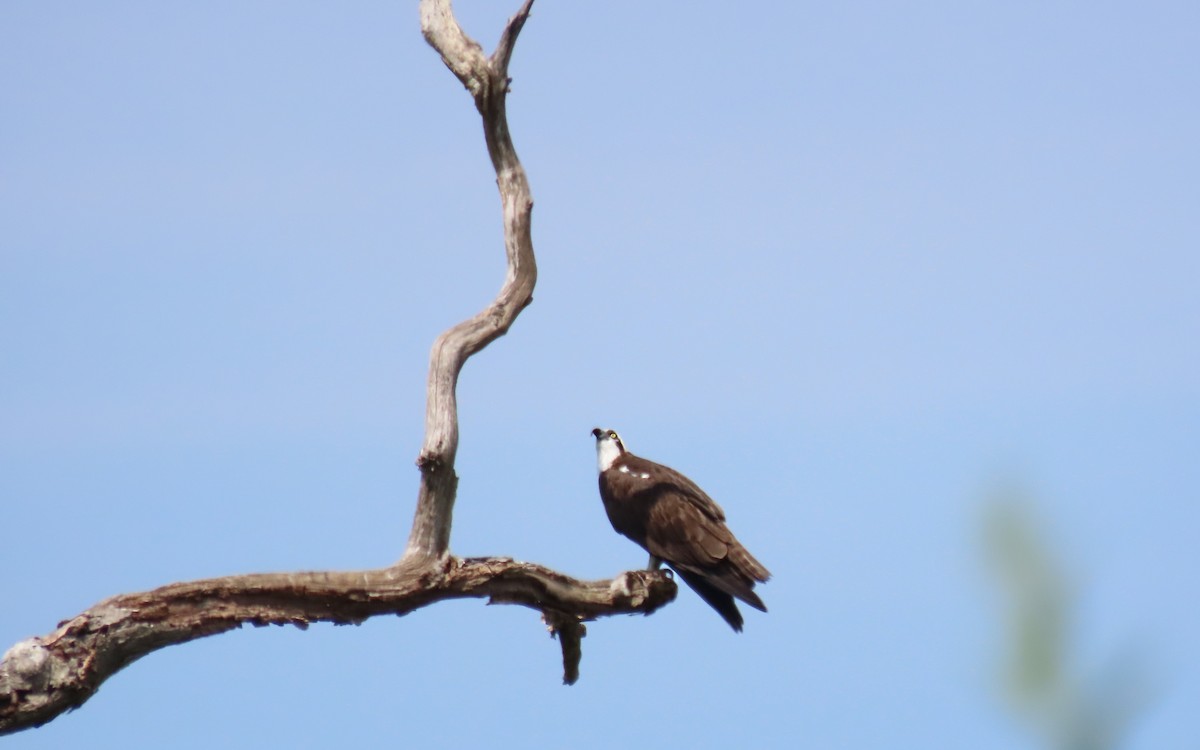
[673, 520]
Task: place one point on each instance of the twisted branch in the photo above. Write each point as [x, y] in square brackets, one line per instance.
[41, 677]
[487, 80]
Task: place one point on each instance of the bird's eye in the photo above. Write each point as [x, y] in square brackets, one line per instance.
[612, 435]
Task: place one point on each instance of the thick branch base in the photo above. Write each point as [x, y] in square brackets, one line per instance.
[43, 676]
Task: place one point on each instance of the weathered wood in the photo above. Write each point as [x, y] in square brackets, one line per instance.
[487, 81]
[43, 676]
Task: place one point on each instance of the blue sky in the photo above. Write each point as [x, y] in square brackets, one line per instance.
[850, 268]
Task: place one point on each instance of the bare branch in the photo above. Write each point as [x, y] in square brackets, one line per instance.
[43, 676]
[487, 80]
[570, 631]
[461, 54]
[508, 38]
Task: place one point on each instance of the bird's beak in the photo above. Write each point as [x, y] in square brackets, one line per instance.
[597, 432]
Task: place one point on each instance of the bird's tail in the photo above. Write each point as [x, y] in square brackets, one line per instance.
[737, 580]
[717, 599]
[747, 564]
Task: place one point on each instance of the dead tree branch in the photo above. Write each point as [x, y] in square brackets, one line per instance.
[487, 80]
[42, 677]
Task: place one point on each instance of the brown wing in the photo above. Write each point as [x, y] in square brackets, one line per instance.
[685, 487]
[680, 533]
[677, 522]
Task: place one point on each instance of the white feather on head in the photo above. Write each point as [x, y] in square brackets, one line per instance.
[608, 448]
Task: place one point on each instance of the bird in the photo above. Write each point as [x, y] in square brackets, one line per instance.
[678, 524]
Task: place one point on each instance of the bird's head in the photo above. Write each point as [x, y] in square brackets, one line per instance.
[608, 447]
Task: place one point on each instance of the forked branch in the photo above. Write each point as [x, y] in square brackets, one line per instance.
[41, 677]
[487, 80]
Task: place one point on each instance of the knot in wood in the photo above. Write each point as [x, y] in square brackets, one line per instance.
[26, 666]
[429, 463]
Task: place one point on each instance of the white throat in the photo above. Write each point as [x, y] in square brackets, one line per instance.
[607, 452]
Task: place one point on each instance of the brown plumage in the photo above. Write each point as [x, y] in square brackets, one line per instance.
[677, 523]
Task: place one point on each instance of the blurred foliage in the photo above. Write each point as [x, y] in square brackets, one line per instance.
[1043, 681]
